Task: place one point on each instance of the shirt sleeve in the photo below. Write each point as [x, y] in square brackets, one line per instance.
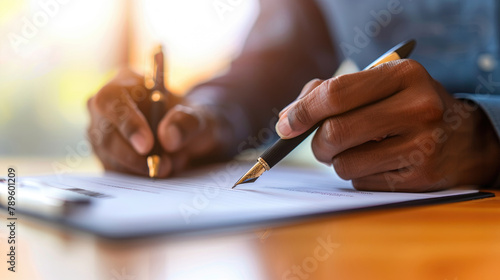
[491, 107]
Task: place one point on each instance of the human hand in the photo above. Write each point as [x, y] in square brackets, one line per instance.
[395, 128]
[121, 137]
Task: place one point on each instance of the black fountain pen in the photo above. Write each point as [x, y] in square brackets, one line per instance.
[157, 108]
[283, 147]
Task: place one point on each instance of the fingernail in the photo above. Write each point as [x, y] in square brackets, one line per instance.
[174, 138]
[138, 141]
[283, 127]
[286, 108]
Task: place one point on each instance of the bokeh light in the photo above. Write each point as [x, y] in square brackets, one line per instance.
[57, 53]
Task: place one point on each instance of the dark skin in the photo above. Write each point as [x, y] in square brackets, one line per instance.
[396, 130]
[223, 112]
[122, 138]
[391, 128]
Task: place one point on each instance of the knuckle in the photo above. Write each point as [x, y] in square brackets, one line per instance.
[430, 108]
[320, 154]
[193, 120]
[113, 100]
[340, 165]
[409, 71]
[299, 116]
[309, 87]
[359, 185]
[435, 108]
[410, 66]
[313, 83]
[335, 130]
[104, 97]
[333, 93]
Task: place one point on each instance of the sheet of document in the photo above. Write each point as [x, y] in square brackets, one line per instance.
[123, 205]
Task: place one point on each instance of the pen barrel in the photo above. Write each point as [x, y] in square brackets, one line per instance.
[159, 73]
[157, 112]
[283, 147]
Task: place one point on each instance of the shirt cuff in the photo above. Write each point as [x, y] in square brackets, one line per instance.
[491, 107]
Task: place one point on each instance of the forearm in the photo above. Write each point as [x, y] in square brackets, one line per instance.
[288, 46]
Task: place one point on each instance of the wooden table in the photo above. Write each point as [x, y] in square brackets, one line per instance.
[447, 242]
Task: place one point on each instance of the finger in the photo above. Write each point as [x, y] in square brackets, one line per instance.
[116, 154]
[344, 93]
[372, 158]
[180, 162]
[109, 145]
[116, 105]
[132, 83]
[110, 164]
[376, 121]
[166, 166]
[403, 180]
[312, 84]
[114, 148]
[179, 127]
[99, 126]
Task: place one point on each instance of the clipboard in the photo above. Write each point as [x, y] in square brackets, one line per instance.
[118, 206]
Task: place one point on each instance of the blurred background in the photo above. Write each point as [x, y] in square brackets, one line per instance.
[55, 54]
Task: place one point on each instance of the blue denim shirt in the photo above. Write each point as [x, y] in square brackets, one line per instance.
[458, 41]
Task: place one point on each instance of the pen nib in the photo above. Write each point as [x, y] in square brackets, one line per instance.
[252, 175]
[244, 180]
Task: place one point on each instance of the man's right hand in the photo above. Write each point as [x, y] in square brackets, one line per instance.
[121, 137]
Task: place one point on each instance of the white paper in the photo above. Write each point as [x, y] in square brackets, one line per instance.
[129, 205]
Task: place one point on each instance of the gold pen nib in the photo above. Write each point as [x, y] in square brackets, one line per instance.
[153, 165]
[254, 173]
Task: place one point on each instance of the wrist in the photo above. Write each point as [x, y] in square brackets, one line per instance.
[483, 161]
[492, 151]
[229, 117]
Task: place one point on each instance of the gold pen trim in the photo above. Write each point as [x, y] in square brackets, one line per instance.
[264, 163]
[157, 96]
[391, 57]
[153, 165]
[254, 173]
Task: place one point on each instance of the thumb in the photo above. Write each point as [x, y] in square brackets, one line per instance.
[179, 127]
[312, 84]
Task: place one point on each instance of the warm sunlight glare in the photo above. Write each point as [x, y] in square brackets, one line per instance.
[199, 36]
[57, 53]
